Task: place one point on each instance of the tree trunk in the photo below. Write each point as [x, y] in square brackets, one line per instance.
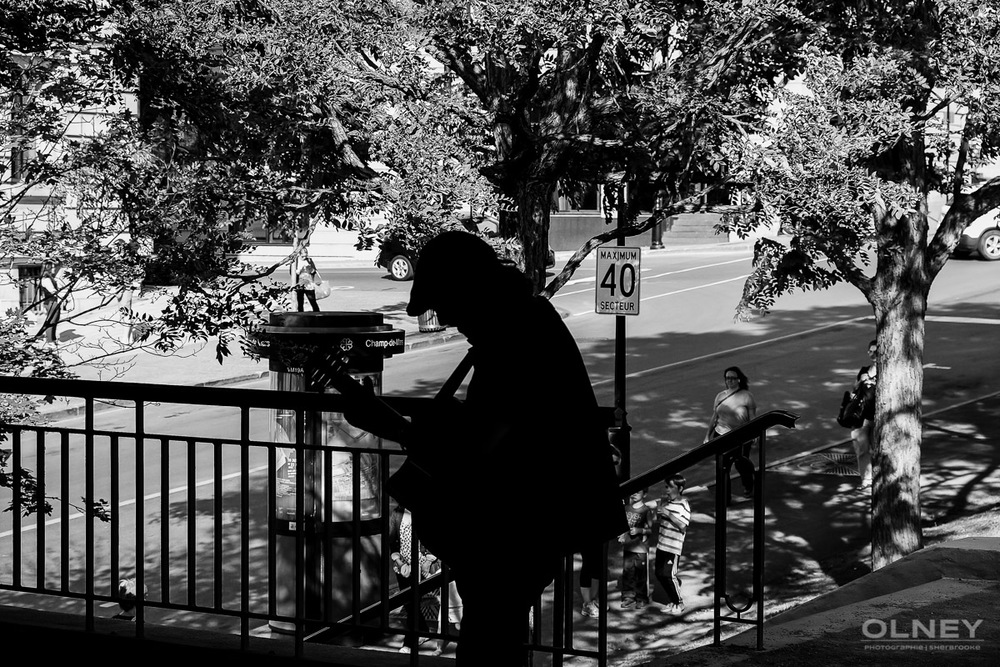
[899, 298]
[533, 200]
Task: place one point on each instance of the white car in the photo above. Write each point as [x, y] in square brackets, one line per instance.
[982, 236]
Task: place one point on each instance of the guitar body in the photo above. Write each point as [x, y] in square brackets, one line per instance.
[425, 481]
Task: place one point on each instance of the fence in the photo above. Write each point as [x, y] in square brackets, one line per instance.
[249, 519]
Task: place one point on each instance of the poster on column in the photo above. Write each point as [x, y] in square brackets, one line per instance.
[617, 287]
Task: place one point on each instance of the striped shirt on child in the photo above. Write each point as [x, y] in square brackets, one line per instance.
[671, 538]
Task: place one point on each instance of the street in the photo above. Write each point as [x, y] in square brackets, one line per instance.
[800, 358]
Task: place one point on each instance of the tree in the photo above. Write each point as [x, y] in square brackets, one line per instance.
[574, 92]
[898, 100]
[213, 117]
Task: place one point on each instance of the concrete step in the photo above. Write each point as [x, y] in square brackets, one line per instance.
[688, 229]
[934, 606]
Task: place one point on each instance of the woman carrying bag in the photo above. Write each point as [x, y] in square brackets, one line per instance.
[307, 281]
[734, 406]
[862, 435]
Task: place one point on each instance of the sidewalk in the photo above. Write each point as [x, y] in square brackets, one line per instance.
[819, 589]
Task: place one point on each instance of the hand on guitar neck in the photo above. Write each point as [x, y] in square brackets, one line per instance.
[366, 410]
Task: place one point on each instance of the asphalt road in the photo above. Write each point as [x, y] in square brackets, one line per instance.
[800, 357]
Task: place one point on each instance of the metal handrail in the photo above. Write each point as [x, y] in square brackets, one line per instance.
[712, 448]
[718, 448]
[139, 395]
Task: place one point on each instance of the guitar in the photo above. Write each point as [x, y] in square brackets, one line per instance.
[422, 473]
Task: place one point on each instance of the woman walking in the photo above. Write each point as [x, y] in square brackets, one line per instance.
[734, 406]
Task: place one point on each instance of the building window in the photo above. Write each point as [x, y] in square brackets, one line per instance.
[21, 151]
[262, 234]
[577, 197]
[29, 281]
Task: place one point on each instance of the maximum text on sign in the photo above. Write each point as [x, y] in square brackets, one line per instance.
[617, 288]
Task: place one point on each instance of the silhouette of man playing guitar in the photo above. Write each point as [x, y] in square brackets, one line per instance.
[519, 474]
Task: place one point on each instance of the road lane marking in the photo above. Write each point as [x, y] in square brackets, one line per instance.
[128, 503]
[748, 346]
[711, 355]
[948, 319]
[576, 281]
[680, 291]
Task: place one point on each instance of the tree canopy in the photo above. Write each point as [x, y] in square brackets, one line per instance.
[154, 137]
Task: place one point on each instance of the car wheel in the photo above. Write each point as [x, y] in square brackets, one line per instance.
[400, 268]
[989, 245]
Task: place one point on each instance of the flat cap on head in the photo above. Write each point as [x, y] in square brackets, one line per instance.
[449, 262]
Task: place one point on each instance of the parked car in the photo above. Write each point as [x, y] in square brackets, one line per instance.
[399, 258]
[982, 237]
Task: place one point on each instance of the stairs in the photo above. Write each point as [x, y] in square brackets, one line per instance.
[693, 229]
[930, 608]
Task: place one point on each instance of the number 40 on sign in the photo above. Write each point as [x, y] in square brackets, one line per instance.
[617, 288]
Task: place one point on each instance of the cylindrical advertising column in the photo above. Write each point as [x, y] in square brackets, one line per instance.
[293, 341]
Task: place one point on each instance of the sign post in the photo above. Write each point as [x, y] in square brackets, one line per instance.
[617, 293]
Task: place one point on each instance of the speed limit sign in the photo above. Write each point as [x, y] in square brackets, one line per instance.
[617, 288]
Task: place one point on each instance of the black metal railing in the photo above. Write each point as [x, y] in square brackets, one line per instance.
[720, 450]
[209, 523]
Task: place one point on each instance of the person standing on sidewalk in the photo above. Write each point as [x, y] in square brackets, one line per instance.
[305, 283]
[861, 437]
[528, 435]
[635, 552]
[674, 515]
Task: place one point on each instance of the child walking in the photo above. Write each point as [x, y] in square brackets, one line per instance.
[635, 568]
[674, 515]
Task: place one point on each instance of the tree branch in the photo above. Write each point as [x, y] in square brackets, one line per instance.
[683, 206]
[965, 208]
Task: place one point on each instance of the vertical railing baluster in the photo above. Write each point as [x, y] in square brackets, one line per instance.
[165, 560]
[325, 525]
[720, 546]
[272, 532]
[758, 539]
[356, 549]
[116, 551]
[192, 522]
[64, 509]
[39, 499]
[602, 617]
[88, 501]
[218, 523]
[15, 515]
[244, 527]
[140, 517]
[413, 615]
[300, 566]
[562, 632]
[385, 571]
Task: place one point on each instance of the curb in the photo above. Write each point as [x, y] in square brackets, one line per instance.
[728, 246]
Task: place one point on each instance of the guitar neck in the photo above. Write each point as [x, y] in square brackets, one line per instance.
[363, 399]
